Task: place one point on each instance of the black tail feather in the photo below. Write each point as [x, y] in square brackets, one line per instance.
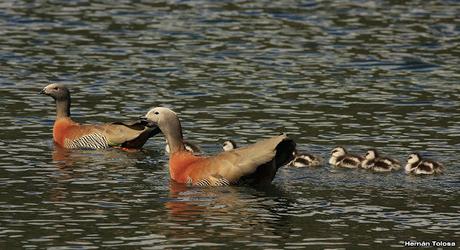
[265, 173]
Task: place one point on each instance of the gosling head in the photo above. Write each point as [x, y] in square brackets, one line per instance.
[228, 145]
[371, 154]
[413, 158]
[338, 151]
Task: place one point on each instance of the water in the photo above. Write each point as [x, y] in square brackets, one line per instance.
[362, 74]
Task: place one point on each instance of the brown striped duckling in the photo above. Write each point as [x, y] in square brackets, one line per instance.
[377, 163]
[188, 146]
[340, 158]
[302, 160]
[229, 145]
[418, 166]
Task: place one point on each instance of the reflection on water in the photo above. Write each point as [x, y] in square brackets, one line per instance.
[361, 74]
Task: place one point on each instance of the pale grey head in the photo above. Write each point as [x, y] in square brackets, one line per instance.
[169, 124]
[61, 94]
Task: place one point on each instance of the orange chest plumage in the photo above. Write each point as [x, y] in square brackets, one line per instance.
[62, 129]
[184, 165]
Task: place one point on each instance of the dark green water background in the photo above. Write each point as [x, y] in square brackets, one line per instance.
[362, 74]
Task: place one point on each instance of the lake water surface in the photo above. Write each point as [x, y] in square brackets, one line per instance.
[362, 74]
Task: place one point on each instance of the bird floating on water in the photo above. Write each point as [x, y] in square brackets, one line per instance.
[341, 158]
[418, 166]
[70, 134]
[305, 160]
[377, 163]
[255, 164]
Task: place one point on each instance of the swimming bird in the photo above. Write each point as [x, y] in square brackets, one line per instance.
[341, 158]
[255, 164]
[377, 163]
[229, 145]
[418, 166]
[305, 160]
[70, 134]
[188, 146]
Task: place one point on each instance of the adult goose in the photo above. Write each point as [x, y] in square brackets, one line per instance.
[255, 164]
[70, 134]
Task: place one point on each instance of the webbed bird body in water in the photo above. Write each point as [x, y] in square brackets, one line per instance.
[70, 134]
[255, 164]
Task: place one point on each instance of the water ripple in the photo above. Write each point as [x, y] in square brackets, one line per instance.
[360, 74]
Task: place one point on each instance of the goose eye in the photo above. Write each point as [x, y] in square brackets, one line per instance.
[157, 113]
[55, 88]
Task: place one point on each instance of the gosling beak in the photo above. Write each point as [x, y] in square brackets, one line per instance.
[42, 92]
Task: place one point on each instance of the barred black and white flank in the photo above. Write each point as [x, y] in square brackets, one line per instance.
[89, 141]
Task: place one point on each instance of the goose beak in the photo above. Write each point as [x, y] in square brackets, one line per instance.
[149, 123]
